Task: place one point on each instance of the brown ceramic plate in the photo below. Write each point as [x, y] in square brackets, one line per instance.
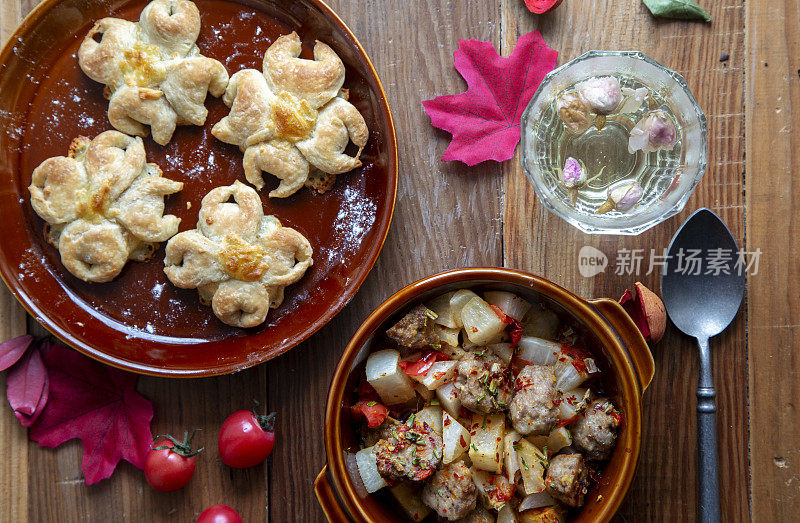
[615, 341]
[140, 321]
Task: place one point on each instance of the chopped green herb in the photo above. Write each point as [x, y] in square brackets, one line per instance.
[430, 314]
[523, 462]
[372, 403]
[484, 422]
[517, 446]
[482, 396]
[410, 421]
[435, 401]
[436, 346]
[474, 447]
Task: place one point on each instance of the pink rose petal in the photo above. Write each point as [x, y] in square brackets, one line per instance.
[25, 383]
[12, 350]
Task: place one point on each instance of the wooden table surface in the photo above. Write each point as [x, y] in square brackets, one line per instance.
[449, 215]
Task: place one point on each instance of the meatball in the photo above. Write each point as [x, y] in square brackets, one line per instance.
[409, 453]
[415, 330]
[451, 492]
[479, 515]
[482, 382]
[595, 432]
[567, 479]
[534, 408]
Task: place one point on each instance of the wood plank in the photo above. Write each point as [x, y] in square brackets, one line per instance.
[447, 215]
[773, 197]
[13, 438]
[542, 243]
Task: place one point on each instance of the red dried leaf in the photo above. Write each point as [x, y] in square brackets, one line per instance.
[484, 120]
[25, 383]
[542, 6]
[99, 405]
[28, 420]
[12, 350]
[634, 309]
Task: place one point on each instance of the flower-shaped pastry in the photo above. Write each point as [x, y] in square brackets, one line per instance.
[237, 258]
[103, 204]
[292, 115]
[153, 71]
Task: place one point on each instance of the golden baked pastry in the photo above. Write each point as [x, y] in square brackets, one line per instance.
[153, 71]
[103, 204]
[238, 259]
[293, 115]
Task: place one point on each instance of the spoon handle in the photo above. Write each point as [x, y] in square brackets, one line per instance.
[707, 438]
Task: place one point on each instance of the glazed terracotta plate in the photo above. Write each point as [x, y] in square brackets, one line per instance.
[140, 321]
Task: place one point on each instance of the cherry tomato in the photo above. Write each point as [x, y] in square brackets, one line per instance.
[246, 439]
[170, 464]
[219, 514]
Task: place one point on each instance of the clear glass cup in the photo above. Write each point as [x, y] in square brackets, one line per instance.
[670, 179]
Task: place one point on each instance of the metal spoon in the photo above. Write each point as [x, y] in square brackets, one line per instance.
[703, 305]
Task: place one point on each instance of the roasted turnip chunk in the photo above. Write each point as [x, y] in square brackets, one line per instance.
[508, 302]
[503, 351]
[410, 499]
[448, 397]
[507, 514]
[558, 439]
[368, 470]
[448, 307]
[532, 465]
[481, 322]
[539, 351]
[573, 402]
[495, 489]
[455, 438]
[540, 323]
[538, 500]
[440, 373]
[431, 415]
[486, 448]
[510, 445]
[387, 378]
[447, 336]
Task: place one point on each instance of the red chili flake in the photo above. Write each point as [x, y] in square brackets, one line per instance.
[505, 318]
[565, 422]
[463, 441]
[447, 422]
[515, 333]
[423, 364]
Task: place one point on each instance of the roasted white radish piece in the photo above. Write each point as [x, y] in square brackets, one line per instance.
[431, 415]
[538, 351]
[424, 392]
[508, 302]
[510, 445]
[543, 515]
[503, 351]
[440, 373]
[558, 439]
[540, 323]
[457, 302]
[444, 314]
[494, 489]
[455, 437]
[573, 402]
[368, 470]
[532, 465]
[448, 337]
[448, 398]
[480, 322]
[486, 448]
[410, 499]
[507, 514]
[387, 378]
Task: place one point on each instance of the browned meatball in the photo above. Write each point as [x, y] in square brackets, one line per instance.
[415, 330]
[451, 492]
[409, 453]
[534, 408]
[482, 382]
[567, 479]
[595, 432]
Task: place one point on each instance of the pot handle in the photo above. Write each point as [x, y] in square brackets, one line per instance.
[640, 354]
[327, 498]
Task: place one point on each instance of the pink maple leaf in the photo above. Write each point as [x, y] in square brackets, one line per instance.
[12, 350]
[97, 404]
[484, 120]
